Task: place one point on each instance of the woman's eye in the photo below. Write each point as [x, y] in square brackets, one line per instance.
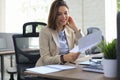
[66, 13]
[58, 14]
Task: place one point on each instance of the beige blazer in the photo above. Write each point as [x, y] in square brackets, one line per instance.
[49, 45]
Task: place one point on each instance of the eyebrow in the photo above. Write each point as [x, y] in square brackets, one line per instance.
[61, 12]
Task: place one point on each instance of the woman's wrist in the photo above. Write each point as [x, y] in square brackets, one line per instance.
[62, 59]
[76, 30]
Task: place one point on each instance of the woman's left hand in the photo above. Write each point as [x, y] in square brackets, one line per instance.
[72, 24]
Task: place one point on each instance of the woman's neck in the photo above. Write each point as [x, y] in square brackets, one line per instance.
[60, 28]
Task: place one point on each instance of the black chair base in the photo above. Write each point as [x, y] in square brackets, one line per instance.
[11, 71]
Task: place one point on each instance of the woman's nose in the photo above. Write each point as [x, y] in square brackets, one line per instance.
[63, 16]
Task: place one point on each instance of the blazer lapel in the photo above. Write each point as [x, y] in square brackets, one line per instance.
[55, 37]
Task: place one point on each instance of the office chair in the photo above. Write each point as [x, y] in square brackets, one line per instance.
[95, 49]
[26, 47]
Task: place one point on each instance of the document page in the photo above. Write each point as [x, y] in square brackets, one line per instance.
[87, 42]
[50, 68]
[43, 70]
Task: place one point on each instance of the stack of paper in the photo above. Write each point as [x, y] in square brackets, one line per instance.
[50, 68]
[91, 62]
[94, 68]
[94, 65]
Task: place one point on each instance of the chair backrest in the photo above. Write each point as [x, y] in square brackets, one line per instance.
[93, 29]
[32, 28]
[26, 47]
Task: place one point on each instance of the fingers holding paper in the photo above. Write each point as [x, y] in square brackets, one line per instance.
[71, 57]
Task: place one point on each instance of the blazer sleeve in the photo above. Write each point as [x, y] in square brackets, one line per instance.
[77, 36]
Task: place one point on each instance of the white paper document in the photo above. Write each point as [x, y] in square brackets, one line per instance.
[87, 42]
[50, 68]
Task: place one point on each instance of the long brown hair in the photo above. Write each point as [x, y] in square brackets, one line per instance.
[53, 13]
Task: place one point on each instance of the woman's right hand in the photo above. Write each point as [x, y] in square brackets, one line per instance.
[71, 57]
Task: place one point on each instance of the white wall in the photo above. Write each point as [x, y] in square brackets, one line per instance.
[95, 13]
[75, 9]
[110, 19]
[87, 13]
[2, 15]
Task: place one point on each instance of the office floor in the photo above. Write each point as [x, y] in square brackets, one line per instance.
[7, 65]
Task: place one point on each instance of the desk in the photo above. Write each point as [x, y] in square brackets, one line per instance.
[72, 74]
[2, 54]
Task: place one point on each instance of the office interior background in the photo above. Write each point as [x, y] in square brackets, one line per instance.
[87, 13]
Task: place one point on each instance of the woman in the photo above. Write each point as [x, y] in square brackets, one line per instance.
[59, 37]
